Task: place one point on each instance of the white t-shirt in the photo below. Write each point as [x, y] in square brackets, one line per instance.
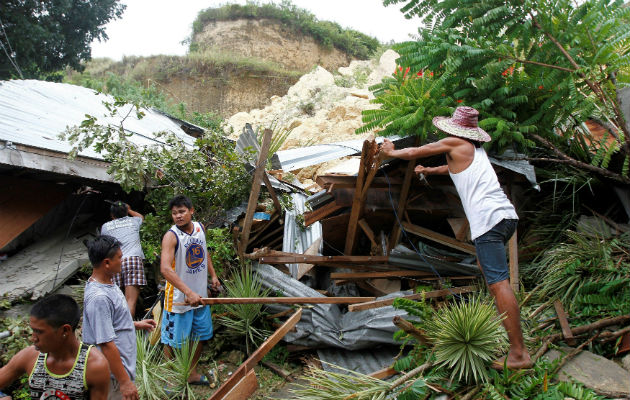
[127, 231]
[485, 203]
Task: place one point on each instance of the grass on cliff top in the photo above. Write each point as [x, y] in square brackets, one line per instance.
[329, 34]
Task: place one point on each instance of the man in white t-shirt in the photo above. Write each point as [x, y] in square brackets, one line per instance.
[125, 227]
[491, 215]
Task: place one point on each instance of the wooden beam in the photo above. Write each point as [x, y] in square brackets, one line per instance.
[282, 300]
[272, 193]
[248, 365]
[311, 259]
[320, 213]
[402, 204]
[355, 211]
[439, 238]
[368, 231]
[564, 323]
[244, 387]
[383, 274]
[513, 252]
[408, 327]
[417, 296]
[255, 192]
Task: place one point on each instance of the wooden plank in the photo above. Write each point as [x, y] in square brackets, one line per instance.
[244, 388]
[355, 211]
[417, 296]
[273, 339]
[439, 238]
[303, 268]
[248, 365]
[272, 193]
[255, 192]
[402, 204]
[371, 275]
[311, 259]
[282, 300]
[320, 213]
[368, 231]
[513, 252]
[564, 323]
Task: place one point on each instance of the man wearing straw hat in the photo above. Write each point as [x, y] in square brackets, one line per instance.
[491, 216]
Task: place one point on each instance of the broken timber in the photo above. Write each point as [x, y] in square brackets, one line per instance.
[348, 276]
[253, 195]
[282, 300]
[564, 323]
[240, 385]
[402, 202]
[417, 296]
[439, 238]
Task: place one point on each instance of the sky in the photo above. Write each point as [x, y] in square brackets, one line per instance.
[151, 27]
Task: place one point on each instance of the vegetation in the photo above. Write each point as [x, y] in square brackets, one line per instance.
[210, 171]
[535, 70]
[329, 34]
[40, 38]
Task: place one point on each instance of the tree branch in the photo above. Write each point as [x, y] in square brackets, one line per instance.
[579, 164]
[537, 63]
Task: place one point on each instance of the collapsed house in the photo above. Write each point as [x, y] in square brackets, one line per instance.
[49, 202]
[373, 229]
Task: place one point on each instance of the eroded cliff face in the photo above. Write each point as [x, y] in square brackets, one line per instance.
[269, 40]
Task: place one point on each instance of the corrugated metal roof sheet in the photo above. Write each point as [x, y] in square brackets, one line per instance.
[34, 113]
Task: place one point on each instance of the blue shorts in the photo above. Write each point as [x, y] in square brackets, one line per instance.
[194, 324]
[490, 249]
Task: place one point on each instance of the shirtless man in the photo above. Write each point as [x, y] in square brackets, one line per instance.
[57, 361]
[491, 216]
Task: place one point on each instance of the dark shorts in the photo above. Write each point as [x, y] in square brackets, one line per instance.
[491, 254]
[131, 273]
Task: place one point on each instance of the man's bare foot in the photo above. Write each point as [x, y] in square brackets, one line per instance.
[513, 363]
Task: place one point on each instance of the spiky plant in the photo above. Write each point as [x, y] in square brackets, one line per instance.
[587, 273]
[150, 377]
[178, 370]
[466, 337]
[240, 319]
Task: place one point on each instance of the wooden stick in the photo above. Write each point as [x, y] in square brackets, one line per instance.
[564, 323]
[402, 203]
[383, 373]
[253, 195]
[602, 323]
[439, 238]
[320, 213]
[368, 231]
[355, 211]
[417, 296]
[410, 329]
[282, 300]
[312, 259]
[273, 195]
[281, 372]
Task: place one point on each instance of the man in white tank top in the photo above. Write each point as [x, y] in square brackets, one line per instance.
[185, 265]
[490, 214]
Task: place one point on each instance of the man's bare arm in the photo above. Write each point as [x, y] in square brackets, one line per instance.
[440, 170]
[133, 213]
[412, 153]
[111, 353]
[166, 261]
[21, 363]
[97, 375]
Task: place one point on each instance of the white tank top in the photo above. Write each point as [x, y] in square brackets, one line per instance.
[190, 264]
[485, 203]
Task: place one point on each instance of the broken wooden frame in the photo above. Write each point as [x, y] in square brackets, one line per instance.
[418, 296]
[243, 382]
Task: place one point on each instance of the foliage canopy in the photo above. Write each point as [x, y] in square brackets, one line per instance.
[39, 38]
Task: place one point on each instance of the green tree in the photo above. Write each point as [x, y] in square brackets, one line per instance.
[535, 69]
[40, 37]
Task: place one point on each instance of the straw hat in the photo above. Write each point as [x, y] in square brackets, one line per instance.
[462, 124]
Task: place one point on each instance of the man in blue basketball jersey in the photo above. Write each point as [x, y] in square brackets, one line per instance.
[185, 265]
